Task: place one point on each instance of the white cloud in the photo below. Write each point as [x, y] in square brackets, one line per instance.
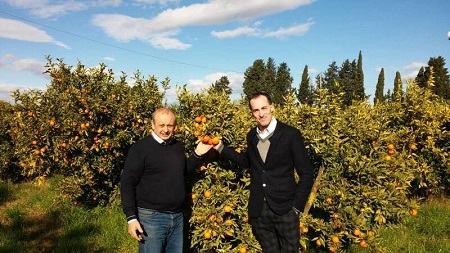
[238, 32]
[196, 85]
[33, 66]
[126, 28]
[411, 75]
[107, 58]
[413, 70]
[415, 65]
[114, 3]
[56, 10]
[6, 90]
[161, 2]
[281, 33]
[313, 71]
[13, 29]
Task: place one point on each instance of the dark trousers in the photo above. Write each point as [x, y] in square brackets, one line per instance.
[277, 233]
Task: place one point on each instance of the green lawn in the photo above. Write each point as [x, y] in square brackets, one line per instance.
[34, 219]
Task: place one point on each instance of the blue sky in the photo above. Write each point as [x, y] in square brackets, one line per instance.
[197, 42]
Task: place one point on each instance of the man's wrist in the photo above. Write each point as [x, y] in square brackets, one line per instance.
[132, 220]
[196, 155]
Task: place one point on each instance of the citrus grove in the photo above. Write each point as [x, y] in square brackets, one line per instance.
[374, 163]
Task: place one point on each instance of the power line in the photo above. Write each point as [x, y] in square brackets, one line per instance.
[117, 47]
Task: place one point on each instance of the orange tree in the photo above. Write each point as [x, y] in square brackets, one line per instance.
[82, 127]
[8, 168]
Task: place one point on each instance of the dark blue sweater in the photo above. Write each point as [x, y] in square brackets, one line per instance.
[153, 176]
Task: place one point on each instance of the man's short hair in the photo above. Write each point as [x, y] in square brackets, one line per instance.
[258, 94]
[163, 110]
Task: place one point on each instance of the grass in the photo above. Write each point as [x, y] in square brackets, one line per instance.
[34, 219]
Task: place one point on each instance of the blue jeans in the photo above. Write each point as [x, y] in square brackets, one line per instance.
[163, 232]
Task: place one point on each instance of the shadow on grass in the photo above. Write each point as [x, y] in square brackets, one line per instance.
[44, 232]
[5, 193]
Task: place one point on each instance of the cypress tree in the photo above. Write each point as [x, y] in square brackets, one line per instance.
[421, 78]
[270, 75]
[254, 78]
[398, 87]
[331, 79]
[379, 89]
[223, 84]
[347, 81]
[359, 82]
[303, 93]
[283, 83]
[440, 75]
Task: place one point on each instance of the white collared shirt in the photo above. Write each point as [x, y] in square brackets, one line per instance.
[266, 132]
[156, 137]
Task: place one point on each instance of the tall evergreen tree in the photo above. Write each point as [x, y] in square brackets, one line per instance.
[223, 84]
[379, 97]
[398, 87]
[421, 79]
[283, 83]
[304, 91]
[441, 77]
[331, 79]
[270, 76]
[347, 81]
[359, 85]
[254, 78]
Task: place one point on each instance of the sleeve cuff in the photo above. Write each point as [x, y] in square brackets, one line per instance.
[196, 155]
[131, 218]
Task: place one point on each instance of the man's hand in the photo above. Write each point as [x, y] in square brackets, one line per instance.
[202, 148]
[216, 147]
[135, 230]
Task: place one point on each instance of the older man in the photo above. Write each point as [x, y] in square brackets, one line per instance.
[153, 188]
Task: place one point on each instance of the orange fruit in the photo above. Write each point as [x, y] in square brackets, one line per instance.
[332, 249]
[242, 250]
[390, 146]
[335, 239]
[227, 209]
[196, 133]
[387, 158]
[301, 225]
[318, 243]
[207, 194]
[391, 151]
[304, 230]
[215, 140]
[204, 119]
[206, 139]
[52, 122]
[198, 119]
[357, 232]
[207, 234]
[329, 200]
[413, 212]
[363, 244]
[413, 147]
[34, 142]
